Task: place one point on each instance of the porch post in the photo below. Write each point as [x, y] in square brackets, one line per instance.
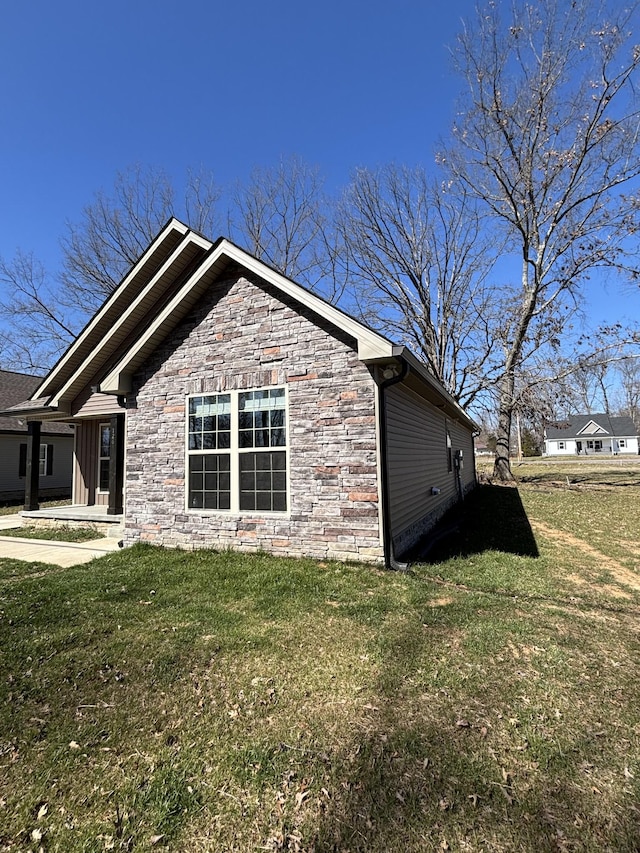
[116, 465]
[32, 474]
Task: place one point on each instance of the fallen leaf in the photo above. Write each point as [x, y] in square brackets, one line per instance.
[156, 839]
[463, 724]
[42, 811]
[301, 796]
[74, 744]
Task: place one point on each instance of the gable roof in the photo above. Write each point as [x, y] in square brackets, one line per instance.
[587, 426]
[156, 294]
[15, 387]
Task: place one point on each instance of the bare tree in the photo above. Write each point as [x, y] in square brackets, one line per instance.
[591, 385]
[116, 228]
[418, 265]
[628, 396]
[46, 310]
[38, 326]
[548, 140]
[283, 217]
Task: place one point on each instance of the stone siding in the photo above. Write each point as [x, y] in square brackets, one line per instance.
[244, 336]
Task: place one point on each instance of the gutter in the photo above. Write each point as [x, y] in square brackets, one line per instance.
[389, 557]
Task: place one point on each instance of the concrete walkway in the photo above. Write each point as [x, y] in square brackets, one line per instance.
[45, 551]
[8, 522]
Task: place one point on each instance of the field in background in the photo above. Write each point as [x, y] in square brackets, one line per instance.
[486, 701]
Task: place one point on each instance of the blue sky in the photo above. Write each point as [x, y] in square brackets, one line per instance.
[88, 89]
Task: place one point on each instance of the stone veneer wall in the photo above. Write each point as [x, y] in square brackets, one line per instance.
[244, 336]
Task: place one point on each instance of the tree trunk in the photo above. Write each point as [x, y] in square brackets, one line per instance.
[502, 466]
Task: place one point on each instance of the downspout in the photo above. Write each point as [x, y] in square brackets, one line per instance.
[389, 557]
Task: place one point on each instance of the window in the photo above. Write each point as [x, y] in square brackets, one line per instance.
[594, 445]
[210, 473]
[103, 457]
[236, 448]
[42, 460]
[622, 442]
[45, 460]
[561, 445]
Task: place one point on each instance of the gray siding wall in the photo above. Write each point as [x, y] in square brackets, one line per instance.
[85, 472]
[244, 336]
[418, 463]
[89, 404]
[57, 483]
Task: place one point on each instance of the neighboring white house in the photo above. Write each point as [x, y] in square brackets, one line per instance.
[584, 435]
[55, 454]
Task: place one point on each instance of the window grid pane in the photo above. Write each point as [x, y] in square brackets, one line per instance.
[262, 418]
[263, 481]
[209, 481]
[210, 422]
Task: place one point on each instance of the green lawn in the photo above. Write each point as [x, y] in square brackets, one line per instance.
[487, 701]
[63, 533]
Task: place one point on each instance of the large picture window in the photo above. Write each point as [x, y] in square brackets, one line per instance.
[237, 451]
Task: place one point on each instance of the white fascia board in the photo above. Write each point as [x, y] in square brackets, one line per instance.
[371, 345]
[91, 360]
[45, 387]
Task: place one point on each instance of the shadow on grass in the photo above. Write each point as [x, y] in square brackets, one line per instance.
[419, 779]
[492, 518]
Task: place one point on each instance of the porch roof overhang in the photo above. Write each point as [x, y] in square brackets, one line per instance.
[38, 409]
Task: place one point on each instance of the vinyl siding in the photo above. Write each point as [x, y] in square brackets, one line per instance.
[88, 405]
[86, 468]
[57, 483]
[418, 463]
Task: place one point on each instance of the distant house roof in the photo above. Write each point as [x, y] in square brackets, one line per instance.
[588, 426]
[15, 387]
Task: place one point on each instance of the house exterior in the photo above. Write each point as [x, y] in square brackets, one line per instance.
[55, 453]
[586, 435]
[219, 404]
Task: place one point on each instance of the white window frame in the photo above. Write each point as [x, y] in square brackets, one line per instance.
[622, 442]
[561, 445]
[42, 461]
[102, 425]
[235, 452]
